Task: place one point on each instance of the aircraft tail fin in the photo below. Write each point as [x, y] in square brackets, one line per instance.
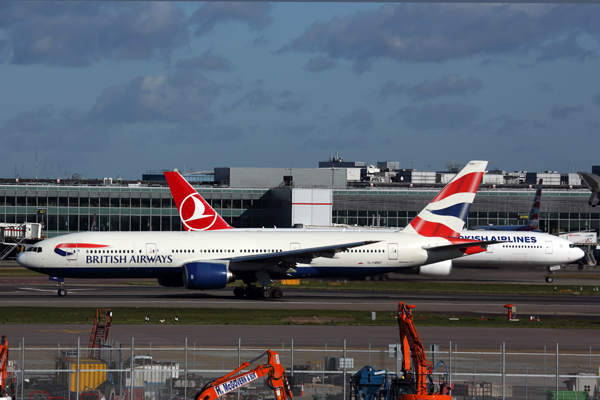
[534, 215]
[196, 214]
[592, 181]
[447, 213]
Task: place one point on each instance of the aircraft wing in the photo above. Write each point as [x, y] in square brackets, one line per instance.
[457, 246]
[300, 255]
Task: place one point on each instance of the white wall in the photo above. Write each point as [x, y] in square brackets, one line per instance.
[312, 206]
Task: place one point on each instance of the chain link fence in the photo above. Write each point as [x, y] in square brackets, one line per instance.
[120, 371]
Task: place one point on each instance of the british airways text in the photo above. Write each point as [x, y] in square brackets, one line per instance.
[516, 239]
[235, 383]
[132, 259]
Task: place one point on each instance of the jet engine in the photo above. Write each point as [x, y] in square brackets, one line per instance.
[206, 275]
[442, 268]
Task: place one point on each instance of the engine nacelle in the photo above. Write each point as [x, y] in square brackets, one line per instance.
[206, 275]
[442, 268]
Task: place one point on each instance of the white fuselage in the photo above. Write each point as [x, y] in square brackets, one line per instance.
[520, 249]
[162, 254]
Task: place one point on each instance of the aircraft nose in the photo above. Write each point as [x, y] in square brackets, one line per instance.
[22, 260]
[577, 253]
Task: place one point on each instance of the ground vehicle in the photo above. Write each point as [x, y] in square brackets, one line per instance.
[277, 380]
[414, 383]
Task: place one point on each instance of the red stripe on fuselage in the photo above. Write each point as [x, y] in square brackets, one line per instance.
[80, 245]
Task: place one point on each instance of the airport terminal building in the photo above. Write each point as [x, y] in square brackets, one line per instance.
[285, 197]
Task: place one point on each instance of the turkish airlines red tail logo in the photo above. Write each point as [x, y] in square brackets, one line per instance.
[196, 214]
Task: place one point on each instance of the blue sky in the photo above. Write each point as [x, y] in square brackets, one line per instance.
[108, 88]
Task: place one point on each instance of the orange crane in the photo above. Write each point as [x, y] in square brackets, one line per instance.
[277, 380]
[6, 389]
[414, 382]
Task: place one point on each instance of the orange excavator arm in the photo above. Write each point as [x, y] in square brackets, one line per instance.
[277, 380]
[412, 347]
[4, 386]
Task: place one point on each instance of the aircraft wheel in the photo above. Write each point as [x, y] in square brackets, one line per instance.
[265, 293]
[239, 292]
[277, 293]
[549, 279]
[62, 292]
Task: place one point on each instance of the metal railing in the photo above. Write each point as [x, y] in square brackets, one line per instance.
[119, 372]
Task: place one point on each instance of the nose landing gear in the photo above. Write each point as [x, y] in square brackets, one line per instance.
[551, 270]
[61, 286]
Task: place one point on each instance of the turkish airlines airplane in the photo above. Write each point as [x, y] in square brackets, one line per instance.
[525, 245]
[518, 248]
[521, 249]
[210, 259]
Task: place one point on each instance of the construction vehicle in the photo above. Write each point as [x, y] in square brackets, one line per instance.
[277, 380]
[414, 383]
[370, 384]
[102, 324]
[6, 386]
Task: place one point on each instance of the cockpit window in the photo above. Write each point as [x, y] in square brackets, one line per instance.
[572, 245]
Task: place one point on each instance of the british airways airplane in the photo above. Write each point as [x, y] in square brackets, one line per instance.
[210, 259]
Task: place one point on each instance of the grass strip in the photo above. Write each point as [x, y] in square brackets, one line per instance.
[18, 271]
[209, 316]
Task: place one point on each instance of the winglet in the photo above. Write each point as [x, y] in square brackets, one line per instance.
[446, 214]
[196, 214]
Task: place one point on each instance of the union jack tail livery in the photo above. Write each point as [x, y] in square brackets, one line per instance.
[196, 214]
[446, 214]
[534, 215]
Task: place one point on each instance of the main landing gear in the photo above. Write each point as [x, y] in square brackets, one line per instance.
[257, 292]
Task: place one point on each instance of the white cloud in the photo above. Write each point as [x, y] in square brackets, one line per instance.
[78, 34]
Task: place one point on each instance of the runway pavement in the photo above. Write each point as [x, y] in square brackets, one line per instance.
[305, 336]
[41, 295]
[38, 291]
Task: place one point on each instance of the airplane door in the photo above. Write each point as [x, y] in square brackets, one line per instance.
[151, 249]
[548, 247]
[392, 251]
[294, 246]
[72, 251]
